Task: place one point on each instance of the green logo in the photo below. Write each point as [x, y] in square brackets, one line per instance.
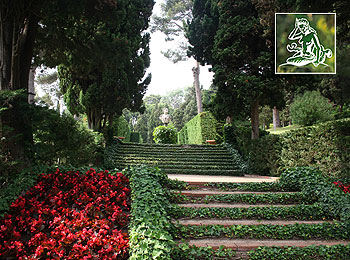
[308, 46]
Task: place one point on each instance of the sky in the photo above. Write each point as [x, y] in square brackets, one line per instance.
[167, 76]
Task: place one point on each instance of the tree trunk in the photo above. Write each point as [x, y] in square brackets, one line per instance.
[94, 116]
[17, 35]
[197, 88]
[276, 118]
[255, 119]
[31, 90]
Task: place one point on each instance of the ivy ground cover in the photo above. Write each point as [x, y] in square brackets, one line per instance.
[69, 215]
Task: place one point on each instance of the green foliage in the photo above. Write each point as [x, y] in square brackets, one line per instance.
[122, 128]
[311, 108]
[63, 140]
[184, 251]
[199, 129]
[251, 186]
[135, 137]
[265, 117]
[238, 135]
[323, 231]
[336, 252]
[11, 189]
[264, 155]
[300, 212]
[265, 198]
[234, 40]
[325, 146]
[113, 77]
[292, 178]
[150, 223]
[165, 135]
[316, 187]
[237, 158]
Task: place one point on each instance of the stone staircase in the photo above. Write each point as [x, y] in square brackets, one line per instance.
[179, 159]
[199, 198]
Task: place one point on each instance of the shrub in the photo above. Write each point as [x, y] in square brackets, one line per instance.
[264, 155]
[135, 137]
[199, 129]
[311, 108]
[165, 135]
[63, 140]
[121, 128]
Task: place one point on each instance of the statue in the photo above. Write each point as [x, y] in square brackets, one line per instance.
[165, 117]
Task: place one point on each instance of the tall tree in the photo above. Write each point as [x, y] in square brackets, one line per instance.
[173, 23]
[113, 77]
[233, 39]
[20, 23]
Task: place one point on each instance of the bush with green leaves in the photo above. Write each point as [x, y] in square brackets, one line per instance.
[63, 140]
[165, 135]
[121, 128]
[311, 108]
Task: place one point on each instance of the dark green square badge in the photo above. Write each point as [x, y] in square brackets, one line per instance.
[305, 43]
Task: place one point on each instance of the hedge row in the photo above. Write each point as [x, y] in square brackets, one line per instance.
[326, 146]
[199, 129]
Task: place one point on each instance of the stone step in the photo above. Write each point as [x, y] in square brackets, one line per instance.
[197, 180]
[209, 192]
[231, 205]
[255, 222]
[251, 244]
[203, 173]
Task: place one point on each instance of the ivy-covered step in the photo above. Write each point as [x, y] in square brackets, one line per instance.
[175, 159]
[174, 150]
[280, 230]
[246, 222]
[184, 165]
[263, 212]
[251, 244]
[174, 155]
[210, 196]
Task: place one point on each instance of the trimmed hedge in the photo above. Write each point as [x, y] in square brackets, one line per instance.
[199, 129]
[325, 146]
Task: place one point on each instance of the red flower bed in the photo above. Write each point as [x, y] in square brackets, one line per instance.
[69, 216]
[345, 188]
